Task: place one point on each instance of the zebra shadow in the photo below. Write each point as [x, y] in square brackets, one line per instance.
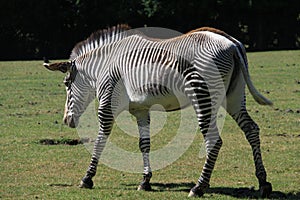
[241, 193]
[250, 193]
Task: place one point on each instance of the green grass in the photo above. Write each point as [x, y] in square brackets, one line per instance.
[32, 102]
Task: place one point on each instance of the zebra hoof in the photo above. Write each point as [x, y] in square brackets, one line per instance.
[198, 191]
[265, 190]
[145, 186]
[195, 193]
[86, 182]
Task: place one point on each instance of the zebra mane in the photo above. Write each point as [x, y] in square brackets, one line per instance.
[98, 39]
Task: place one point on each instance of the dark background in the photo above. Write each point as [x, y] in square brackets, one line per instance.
[35, 28]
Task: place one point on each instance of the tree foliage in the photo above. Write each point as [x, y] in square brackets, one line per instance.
[32, 29]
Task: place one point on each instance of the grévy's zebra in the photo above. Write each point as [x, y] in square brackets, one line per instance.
[205, 68]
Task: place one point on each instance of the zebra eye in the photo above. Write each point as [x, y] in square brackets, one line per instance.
[66, 82]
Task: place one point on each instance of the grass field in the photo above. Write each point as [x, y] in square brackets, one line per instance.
[32, 102]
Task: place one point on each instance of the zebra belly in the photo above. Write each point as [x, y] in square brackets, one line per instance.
[160, 102]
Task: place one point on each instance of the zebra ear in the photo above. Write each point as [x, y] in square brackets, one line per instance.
[61, 66]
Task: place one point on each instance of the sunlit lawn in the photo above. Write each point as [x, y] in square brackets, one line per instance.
[32, 102]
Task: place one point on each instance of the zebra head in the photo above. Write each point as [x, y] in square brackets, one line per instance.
[79, 93]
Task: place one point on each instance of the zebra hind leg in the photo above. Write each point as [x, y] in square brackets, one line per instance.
[213, 146]
[251, 130]
[206, 113]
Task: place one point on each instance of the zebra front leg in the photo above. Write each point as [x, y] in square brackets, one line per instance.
[143, 121]
[105, 125]
[86, 181]
[251, 130]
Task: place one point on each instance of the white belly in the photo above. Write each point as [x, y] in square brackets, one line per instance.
[167, 102]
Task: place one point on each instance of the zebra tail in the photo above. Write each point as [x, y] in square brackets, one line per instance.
[243, 64]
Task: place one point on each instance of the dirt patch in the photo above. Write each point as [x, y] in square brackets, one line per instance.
[60, 185]
[62, 141]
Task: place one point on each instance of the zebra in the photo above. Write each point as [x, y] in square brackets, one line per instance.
[145, 71]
